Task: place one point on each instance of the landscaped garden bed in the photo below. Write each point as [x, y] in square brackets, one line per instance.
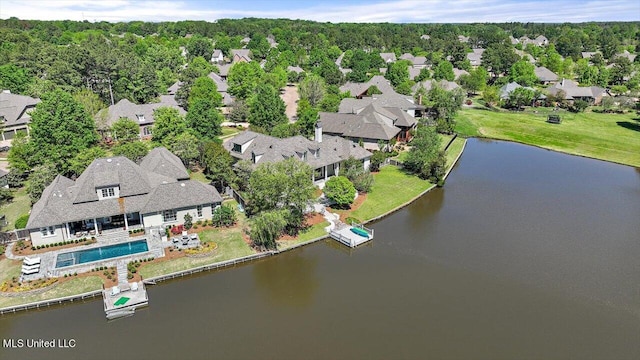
[25, 248]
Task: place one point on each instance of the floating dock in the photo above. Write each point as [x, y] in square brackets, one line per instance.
[351, 236]
[124, 299]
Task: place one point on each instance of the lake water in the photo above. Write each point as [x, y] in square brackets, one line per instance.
[524, 254]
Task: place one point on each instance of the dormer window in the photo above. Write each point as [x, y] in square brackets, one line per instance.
[317, 153]
[237, 148]
[108, 193]
[140, 117]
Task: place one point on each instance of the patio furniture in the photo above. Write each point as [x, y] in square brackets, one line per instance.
[194, 236]
[115, 291]
[134, 286]
[92, 232]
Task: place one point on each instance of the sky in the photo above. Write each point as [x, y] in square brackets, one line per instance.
[397, 11]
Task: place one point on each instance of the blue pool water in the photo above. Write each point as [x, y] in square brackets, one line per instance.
[101, 253]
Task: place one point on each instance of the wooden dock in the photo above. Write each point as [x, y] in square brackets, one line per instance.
[344, 235]
[125, 300]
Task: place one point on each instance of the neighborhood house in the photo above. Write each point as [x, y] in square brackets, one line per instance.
[324, 154]
[116, 193]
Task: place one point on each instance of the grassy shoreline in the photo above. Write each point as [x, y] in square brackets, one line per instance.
[609, 137]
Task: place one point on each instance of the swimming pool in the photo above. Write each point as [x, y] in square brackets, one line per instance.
[101, 253]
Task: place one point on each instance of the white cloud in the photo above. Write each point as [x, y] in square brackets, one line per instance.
[390, 11]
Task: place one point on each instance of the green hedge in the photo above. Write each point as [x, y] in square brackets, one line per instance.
[21, 222]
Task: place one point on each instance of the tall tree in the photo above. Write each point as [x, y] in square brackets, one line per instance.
[312, 89]
[80, 162]
[425, 156]
[398, 72]
[60, 128]
[168, 124]
[125, 130]
[134, 150]
[204, 118]
[243, 79]
[14, 79]
[443, 105]
[199, 46]
[217, 164]
[266, 108]
[185, 146]
[39, 178]
[523, 73]
[443, 71]
[205, 88]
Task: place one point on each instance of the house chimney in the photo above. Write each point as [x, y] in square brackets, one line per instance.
[420, 99]
[318, 134]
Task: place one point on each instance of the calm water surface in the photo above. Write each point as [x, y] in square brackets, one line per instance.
[524, 254]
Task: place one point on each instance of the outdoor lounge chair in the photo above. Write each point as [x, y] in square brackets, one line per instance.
[134, 286]
[115, 291]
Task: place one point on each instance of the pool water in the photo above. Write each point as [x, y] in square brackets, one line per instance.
[101, 253]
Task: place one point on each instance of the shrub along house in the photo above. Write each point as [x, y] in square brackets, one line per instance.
[324, 155]
[117, 194]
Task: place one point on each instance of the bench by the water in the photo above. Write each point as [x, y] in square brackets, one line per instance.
[553, 119]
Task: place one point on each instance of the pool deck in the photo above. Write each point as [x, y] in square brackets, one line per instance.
[48, 259]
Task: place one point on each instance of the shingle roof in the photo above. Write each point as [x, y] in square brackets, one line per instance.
[221, 84]
[162, 161]
[350, 105]
[216, 53]
[413, 72]
[372, 122]
[266, 148]
[141, 190]
[295, 69]
[572, 90]
[428, 84]
[545, 74]
[127, 109]
[475, 57]
[180, 194]
[224, 69]
[459, 72]
[388, 57]
[13, 108]
[243, 53]
[358, 89]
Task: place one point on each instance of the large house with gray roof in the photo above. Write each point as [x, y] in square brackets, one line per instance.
[358, 90]
[14, 113]
[571, 90]
[116, 193]
[142, 114]
[371, 125]
[325, 154]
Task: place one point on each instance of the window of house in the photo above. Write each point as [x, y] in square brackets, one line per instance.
[169, 215]
[48, 231]
[237, 148]
[140, 117]
[146, 130]
[199, 210]
[108, 192]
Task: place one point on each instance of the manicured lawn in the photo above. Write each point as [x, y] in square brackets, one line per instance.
[392, 187]
[612, 137]
[230, 245]
[402, 157]
[315, 231]
[67, 288]
[229, 131]
[454, 150]
[20, 205]
[199, 176]
[9, 269]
